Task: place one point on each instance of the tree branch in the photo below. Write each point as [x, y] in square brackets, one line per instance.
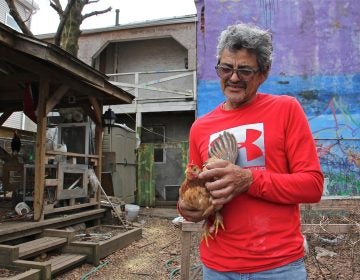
[56, 5]
[20, 22]
[96, 13]
[90, 2]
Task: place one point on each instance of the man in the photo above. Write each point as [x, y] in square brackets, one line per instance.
[276, 170]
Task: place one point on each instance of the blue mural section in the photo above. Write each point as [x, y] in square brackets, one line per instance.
[332, 105]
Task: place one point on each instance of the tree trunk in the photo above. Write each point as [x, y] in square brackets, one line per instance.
[71, 33]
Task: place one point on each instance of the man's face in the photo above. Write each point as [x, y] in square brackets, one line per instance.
[239, 86]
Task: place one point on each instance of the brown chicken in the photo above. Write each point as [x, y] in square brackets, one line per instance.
[194, 192]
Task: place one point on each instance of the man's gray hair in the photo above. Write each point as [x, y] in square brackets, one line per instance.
[250, 37]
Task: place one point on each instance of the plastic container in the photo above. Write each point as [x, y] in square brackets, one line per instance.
[131, 212]
[22, 208]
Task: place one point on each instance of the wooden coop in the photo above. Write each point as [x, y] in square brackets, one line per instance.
[54, 81]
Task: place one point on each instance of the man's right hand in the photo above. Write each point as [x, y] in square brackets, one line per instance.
[189, 213]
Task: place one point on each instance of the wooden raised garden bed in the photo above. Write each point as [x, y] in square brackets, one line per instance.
[13, 272]
[100, 241]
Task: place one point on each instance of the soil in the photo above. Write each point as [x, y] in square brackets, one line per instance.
[157, 256]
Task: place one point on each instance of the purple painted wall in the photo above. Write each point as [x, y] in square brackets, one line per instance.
[316, 59]
[310, 37]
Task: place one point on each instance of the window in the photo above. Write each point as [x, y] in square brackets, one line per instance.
[159, 155]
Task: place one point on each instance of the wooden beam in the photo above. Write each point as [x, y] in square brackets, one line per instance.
[5, 116]
[40, 151]
[56, 97]
[97, 110]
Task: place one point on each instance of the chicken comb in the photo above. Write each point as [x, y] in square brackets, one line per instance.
[224, 147]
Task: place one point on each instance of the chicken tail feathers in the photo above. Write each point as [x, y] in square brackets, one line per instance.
[224, 147]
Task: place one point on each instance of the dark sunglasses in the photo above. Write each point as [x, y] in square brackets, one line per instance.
[225, 72]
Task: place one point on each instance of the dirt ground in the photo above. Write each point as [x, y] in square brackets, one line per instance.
[157, 256]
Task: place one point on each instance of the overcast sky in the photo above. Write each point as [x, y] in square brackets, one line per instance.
[46, 19]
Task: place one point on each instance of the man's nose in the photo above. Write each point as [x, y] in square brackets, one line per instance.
[234, 77]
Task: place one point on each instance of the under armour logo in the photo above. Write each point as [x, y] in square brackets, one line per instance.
[252, 150]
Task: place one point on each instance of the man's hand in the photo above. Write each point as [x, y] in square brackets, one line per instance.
[225, 180]
[189, 213]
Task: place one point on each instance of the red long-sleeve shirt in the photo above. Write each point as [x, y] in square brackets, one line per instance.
[262, 226]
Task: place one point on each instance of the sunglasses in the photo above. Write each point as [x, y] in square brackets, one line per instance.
[225, 72]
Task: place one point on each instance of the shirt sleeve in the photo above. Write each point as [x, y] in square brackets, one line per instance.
[304, 181]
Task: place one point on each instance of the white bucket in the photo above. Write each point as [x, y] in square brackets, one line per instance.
[131, 212]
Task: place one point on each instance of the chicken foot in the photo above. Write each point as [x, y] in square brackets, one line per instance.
[206, 232]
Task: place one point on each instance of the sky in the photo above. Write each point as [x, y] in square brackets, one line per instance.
[46, 20]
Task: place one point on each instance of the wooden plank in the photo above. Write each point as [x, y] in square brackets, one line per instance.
[65, 261]
[69, 235]
[58, 153]
[51, 182]
[90, 249]
[69, 208]
[119, 241]
[21, 229]
[189, 226]
[69, 194]
[39, 245]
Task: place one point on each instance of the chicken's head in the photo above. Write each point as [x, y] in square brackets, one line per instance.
[192, 171]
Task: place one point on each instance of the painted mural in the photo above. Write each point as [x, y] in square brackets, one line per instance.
[316, 59]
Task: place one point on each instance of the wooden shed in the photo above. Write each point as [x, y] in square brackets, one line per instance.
[60, 81]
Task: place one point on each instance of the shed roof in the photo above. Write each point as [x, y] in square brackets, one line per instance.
[24, 60]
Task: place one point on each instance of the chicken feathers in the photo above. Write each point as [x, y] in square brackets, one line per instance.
[193, 190]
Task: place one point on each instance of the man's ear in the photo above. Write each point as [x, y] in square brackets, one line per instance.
[265, 74]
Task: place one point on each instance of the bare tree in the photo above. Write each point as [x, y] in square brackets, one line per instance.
[68, 31]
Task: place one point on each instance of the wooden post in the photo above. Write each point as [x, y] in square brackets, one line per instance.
[40, 151]
[97, 109]
[187, 228]
[98, 148]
